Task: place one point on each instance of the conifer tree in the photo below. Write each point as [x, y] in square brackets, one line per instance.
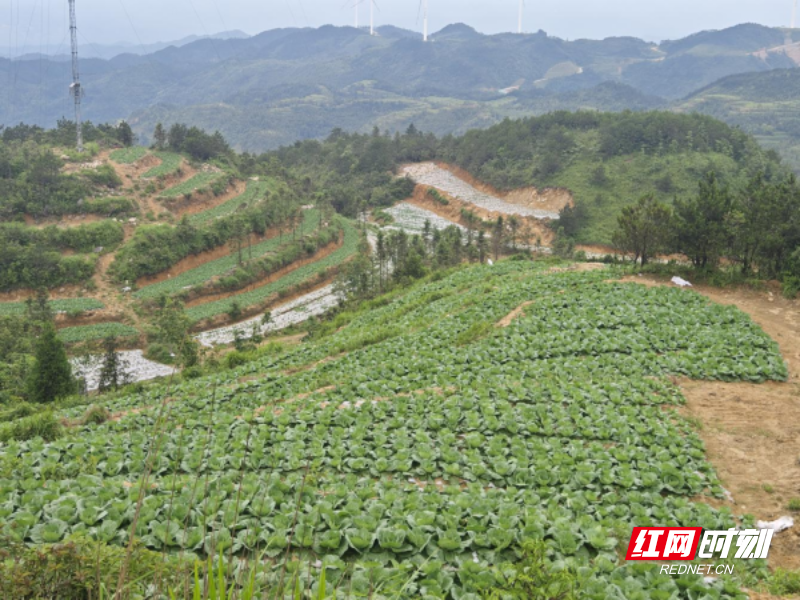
[51, 377]
[114, 372]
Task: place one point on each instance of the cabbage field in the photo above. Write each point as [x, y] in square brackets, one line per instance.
[411, 449]
[170, 164]
[216, 268]
[300, 276]
[128, 156]
[201, 181]
[67, 305]
[255, 191]
[99, 331]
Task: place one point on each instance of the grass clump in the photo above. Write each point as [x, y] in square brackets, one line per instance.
[43, 425]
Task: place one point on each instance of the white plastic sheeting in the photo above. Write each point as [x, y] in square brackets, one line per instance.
[680, 282]
[291, 313]
[777, 525]
[442, 179]
[137, 367]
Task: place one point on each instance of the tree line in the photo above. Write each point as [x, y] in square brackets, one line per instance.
[756, 229]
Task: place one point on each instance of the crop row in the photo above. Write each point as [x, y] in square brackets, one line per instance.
[299, 276]
[99, 331]
[215, 268]
[127, 156]
[255, 191]
[170, 164]
[420, 433]
[199, 182]
[69, 305]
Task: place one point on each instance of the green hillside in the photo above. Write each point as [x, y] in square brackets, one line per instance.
[766, 105]
[417, 445]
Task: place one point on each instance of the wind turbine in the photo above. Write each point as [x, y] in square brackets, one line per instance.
[521, 7]
[372, 6]
[794, 14]
[423, 4]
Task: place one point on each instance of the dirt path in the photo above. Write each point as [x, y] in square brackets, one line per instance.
[752, 431]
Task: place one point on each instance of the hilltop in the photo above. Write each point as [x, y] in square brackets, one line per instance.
[287, 84]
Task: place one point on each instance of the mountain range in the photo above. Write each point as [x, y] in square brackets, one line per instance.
[298, 83]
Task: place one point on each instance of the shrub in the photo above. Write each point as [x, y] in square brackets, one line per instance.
[42, 425]
[236, 359]
[794, 504]
[791, 287]
[193, 372]
[18, 411]
[81, 568]
[95, 415]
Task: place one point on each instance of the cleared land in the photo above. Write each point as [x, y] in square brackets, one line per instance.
[432, 436]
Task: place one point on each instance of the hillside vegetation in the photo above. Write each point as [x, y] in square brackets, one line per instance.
[282, 85]
[416, 445]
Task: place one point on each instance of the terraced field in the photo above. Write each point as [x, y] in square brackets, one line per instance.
[170, 164]
[255, 191]
[88, 333]
[299, 276]
[128, 156]
[410, 451]
[221, 266]
[69, 305]
[201, 181]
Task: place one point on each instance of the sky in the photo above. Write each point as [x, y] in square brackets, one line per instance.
[36, 25]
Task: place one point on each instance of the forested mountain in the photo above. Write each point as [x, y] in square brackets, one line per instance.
[286, 84]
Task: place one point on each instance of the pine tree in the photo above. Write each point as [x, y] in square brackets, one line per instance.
[51, 377]
[113, 374]
[160, 137]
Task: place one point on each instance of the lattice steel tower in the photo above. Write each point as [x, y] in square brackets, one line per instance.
[75, 88]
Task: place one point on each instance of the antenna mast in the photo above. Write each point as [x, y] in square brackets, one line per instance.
[75, 89]
[424, 20]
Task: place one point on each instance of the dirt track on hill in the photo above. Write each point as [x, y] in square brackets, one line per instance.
[752, 431]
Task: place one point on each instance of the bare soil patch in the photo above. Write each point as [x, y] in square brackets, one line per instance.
[553, 199]
[752, 431]
[510, 317]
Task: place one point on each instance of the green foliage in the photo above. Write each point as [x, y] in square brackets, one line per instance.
[51, 377]
[69, 305]
[170, 164]
[42, 425]
[95, 415]
[128, 156]
[256, 191]
[103, 176]
[434, 193]
[81, 568]
[782, 582]
[644, 229]
[155, 248]
[99, 331]
[168, 328]
[268, 250]
[794, 504]
[298, 277]
[702, 223]
[573, 461]
[532, 578]
[200, 182]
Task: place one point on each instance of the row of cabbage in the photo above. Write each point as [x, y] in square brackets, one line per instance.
[420, 433]
[128, 156]
[255, 191]
[201, 181]
[170, 164]
[98, 331]
[215, 268]
[300, 276]
[68, 305]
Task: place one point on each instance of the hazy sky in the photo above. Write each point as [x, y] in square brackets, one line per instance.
[41, 24]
